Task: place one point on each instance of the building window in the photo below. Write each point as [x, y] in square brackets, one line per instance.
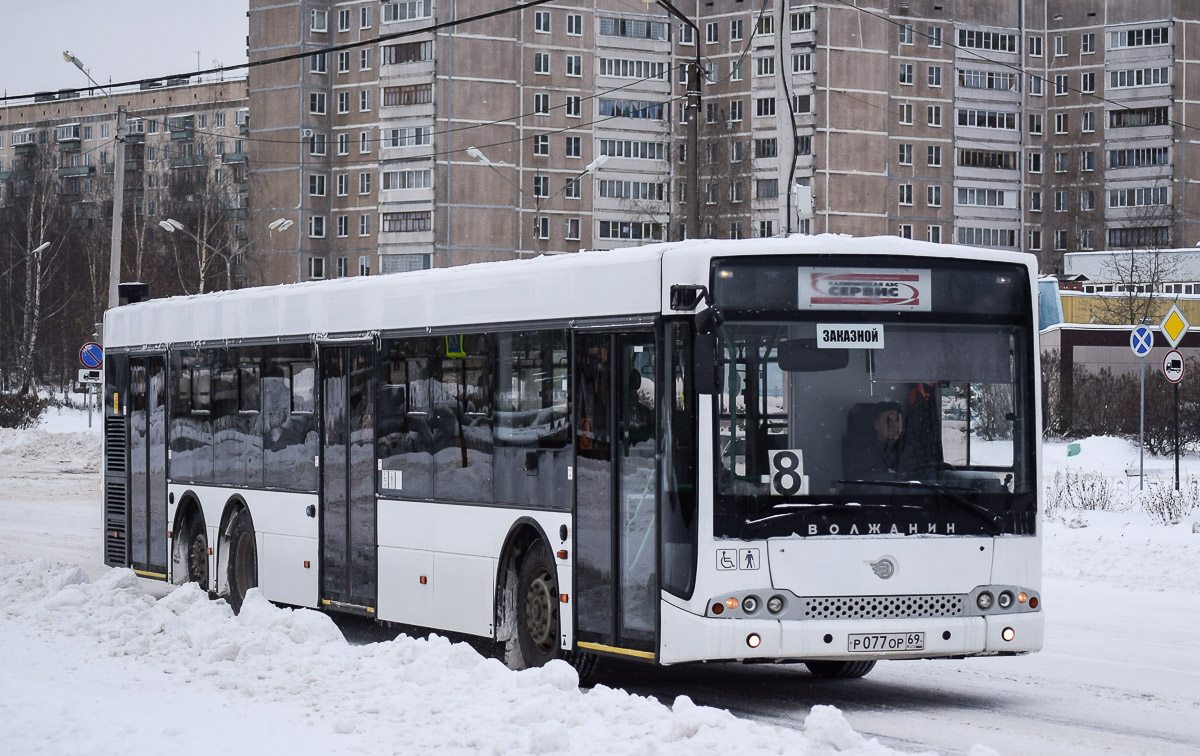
[1087, 82]
[364, 59]
[934, 234]
[316, 185]
[343, 143]
[316, 63]
[735, 70]
[316, 267]
[1086, 240]
[1087, 43]
[541, 144]
[801, 62]
[344, 20]
[906, 74]
[802, 103]
[318, 21]
[1060, 240]
[1035, 202]
[571, 188]
[574, 25]
[343, 102]
[935, 39]
[541, 22]
[735, 152]
[1060, 45]
[364, 225]
[364, 142]
[1035, 241]
[1060, 201]
[906, 194]
[343, 225]
[1061, 86]
[1087, 199]
[575, 65]
[764, 106]
[316, 103]
[405, 222]
[1088, 121]
[712, 33]
[906, 113]
[343, 62]
[800, 21]
[906, 34]
[573, 106]
[735, 191]
[1035, 47]
[541, 186]
[766, 228]
[686, 37]
[1060, 162]
[933, 155]
[343, 184]
[316, 145]
[905, 154]
[766, 188]
[541, 227]
[1035, 85]
[364, 100]
[765, 25]
[935, 76]
[1060, 123]
[933, 115]
[1087, 160]
[364, 17]
[905, 231]
[736, 29]
[1035, 123]
[735, 230]
[572, 229]
[764, 66]
[1139, 77]
[933, 195]
[541, 63]
[574, 147]
[765, 148]
[541, 103]
[316, 226]
[1035, 162]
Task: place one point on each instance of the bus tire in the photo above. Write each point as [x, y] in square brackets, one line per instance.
[243, 559]
[840, 670]
[195, 540]
[536, 631]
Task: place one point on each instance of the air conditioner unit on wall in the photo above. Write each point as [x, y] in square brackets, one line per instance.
[306, 133]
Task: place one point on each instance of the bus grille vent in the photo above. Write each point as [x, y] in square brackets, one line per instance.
[115, 458]
[883, 607]
[116, 512]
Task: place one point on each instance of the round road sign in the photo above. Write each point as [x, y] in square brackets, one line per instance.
[1141, 339]
[1173, 366]
[91, 355]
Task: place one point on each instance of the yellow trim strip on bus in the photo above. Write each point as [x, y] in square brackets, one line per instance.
[143, 573]
[615, 650]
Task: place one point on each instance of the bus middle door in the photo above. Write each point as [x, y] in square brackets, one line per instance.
[348, 548]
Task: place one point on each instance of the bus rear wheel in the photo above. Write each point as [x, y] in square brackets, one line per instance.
[840, 670]
[243, 559]
[535, 638]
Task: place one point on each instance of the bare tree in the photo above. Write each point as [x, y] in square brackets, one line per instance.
[1138, 274]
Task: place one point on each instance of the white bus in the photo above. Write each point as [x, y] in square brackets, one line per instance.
[815, 449]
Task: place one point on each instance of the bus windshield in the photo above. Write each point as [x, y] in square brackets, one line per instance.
[860, 427]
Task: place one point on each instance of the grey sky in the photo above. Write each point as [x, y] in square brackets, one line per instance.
[117, 40]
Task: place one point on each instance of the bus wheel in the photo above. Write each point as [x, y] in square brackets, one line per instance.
[537, 607]
[243, 559]
[196, 541]
[839, 670]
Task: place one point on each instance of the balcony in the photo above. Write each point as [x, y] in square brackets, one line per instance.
[229, 158]
[75, 170]
[28, 148]
[236, 213]
[187, 161]
[181, 134]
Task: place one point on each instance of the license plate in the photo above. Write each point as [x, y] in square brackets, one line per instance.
[875, 642]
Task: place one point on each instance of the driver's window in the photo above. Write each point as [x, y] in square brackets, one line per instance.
[977, 424]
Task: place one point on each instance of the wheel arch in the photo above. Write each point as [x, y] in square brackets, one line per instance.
[189, 506]
[522, 534]
[233, 505]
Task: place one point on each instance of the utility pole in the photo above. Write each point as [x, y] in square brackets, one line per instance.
[695, 69]
[118, 212]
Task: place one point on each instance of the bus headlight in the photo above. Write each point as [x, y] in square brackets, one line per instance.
[750, 604]
[984, 600]
[775, 604]
[1005, 600]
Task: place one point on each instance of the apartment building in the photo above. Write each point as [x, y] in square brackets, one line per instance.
[1049, 126]
[185, 149]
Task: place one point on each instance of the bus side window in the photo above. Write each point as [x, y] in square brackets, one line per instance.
[303, 382]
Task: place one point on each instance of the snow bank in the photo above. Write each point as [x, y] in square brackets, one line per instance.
[38, 450]
[294, 666]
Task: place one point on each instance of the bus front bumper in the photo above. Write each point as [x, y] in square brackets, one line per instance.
[687, 637]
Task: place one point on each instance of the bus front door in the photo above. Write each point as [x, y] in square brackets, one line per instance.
[348, 564]
[148, 466]
[616, 524]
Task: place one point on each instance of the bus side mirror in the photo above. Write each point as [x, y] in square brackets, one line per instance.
[704, 364]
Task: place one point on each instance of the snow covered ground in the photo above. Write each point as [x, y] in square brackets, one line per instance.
[97, 661]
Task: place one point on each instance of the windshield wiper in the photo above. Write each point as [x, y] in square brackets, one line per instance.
[994, 520]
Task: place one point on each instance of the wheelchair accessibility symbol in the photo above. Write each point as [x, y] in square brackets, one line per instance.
[738, 559]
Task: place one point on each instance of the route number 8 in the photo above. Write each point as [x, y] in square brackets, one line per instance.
[787, 472]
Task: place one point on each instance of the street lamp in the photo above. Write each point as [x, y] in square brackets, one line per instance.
[118, 207]
[591, 167]
[170, 225]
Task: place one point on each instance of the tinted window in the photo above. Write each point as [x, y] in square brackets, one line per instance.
[289, 438]
[462, 418]
[405, 429]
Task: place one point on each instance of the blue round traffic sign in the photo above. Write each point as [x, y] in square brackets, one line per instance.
[91, 355]
[1141, 340]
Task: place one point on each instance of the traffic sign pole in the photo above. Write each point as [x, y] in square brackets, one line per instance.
[1141, 341]
[1176, 436]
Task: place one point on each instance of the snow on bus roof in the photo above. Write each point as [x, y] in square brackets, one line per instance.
[589, 284]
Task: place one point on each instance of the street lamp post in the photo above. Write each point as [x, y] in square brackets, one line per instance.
[591, 167]
[170, 225]
[118, 211]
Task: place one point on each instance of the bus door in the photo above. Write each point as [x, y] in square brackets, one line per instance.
[348, 563]
[616, 524]
[147, 404]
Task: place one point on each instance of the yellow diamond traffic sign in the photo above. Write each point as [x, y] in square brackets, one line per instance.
[1174, 326]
